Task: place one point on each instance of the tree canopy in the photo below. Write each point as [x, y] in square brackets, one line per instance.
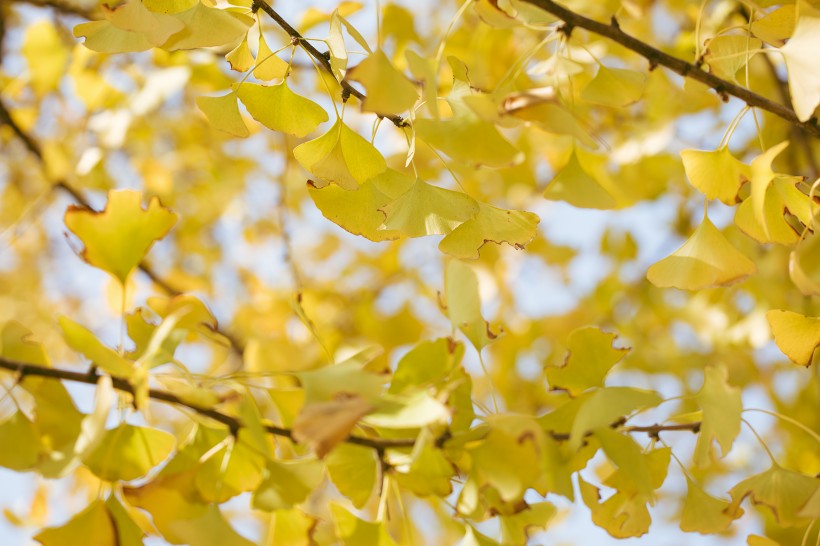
[415, 272]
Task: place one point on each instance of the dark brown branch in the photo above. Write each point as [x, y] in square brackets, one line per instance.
[656, 57]
[652, 430]
[33, 147]
[65, 8]
[92, 378]
[321, 58]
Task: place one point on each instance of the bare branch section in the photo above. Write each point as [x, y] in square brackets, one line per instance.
[60, 6]
[33, 147]
[22, 369]
[320, 57]
[656, 57]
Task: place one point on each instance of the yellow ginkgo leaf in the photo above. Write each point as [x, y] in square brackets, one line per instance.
[352, 469]
[580, 189]
[388, 90]
[278, 108]
[130, 26]
[797, 336]
[128, 452]
[358, 211]
[777, 25]
[804, 265]
[287, 483]
[129, 532]
[761, 176]
[727, 54]
[716, 173]
[757, 540]
[703, 513]
[336, 47]
[706, 259]
[491, 224]
[292, 527]
[466, 138]
[207, 27]
[240, 58]
[616, 87]
[340, 156]
[589, 359]
[354, 531]
[800, 53]
[721, 406]
[118, 238]
[782, 196]
[84, 341]
[223, 113]
[425, 209]
[46, 56]
[268, 65]
[783, 491]
[94, 525]
[20, 432]
[464, 304]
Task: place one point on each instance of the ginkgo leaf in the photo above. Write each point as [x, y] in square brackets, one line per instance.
[207, 27]
[804, 264]
[352, 469]
[268, 65]
[280, 109]
[20, 432]
[46, 56]
[781, 196]
[94, 525]
[358, 211]
[707, 259]
[131, 26]
[761, 177]
[425, 209]
[223, 113]
[703, 513]
[757, 540]
[117, 239]
[322, 425]
[622, 450]
[129, 452]
[777, 25]
[721, 405]
[336, 46]
[189, 313]
[103, 37]
[129, 532]
[616, 87]
[388, 90]
[230, 471]
[796, 335]
[577, 187]
[429, 471]
[353, 531]
[606, 406]
[340, 156]
[464, 304]
[287, 483]
[729, 53]
[491, 224]
[425, 364]
[84, 341]
[811, 509]
[468, 139]
[541, 108]
[406, 412]
[716, 173]
[292, 527]
[516, 528]
[343, 380]
[590, 357]
[801, 62]
[781, 490]
[621, 515]
[16, 343]
[240, 58]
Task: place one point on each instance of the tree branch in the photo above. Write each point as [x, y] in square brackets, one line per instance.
[656, 57]
[34, 148]
[66, 8]
[320, 57]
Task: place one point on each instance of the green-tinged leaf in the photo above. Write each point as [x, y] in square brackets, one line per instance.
[119, 237]
[388, 90]
[16, 343]
[591, 355]
[20, 432]
[628, 456]
[353, 531]
[464, 304]
[128, 452]
[490, 225]
[291, 527]
[579, 188]
[84, 341]
[804, 78]
[469, 140]
[425, 209]
[707, 259]
[761, 177]
[234, 469]
[804, 265]
[340, 156]
[287, 483]
[207, 27]
[223, 113]
[703, 513]
[616, 87]
[352, 469]
[606, 406]
[716, 173]
[782, 491]
[129, 532]
[131, 26]
[796, 335]
[429, 472]
[46, 56]
[426, 364]
[721, 405]
[516, 528]
[729, 53]
[280, 109]
[94, 525]
[58, 423]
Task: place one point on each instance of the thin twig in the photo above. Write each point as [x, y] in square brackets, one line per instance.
[321, 58]
[60, 6]
[656, 57]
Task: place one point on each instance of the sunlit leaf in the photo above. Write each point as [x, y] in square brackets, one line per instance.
[780, 490]
[703, 513]
[129, 452]
[804, 79]
[590, 357]
[616, 87]
[268, 65]
[796, 335]
[425, 209]
[223, 113]
[781, 196]
[388, 90]
[280, 109]
[729, 53]
[490, 224]
[464, 304]
[579, 188]
[721, 405]
[287, 484]
[354, 531]
[322, 425]
[94, 525]
[716, 173]
[352, 469]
